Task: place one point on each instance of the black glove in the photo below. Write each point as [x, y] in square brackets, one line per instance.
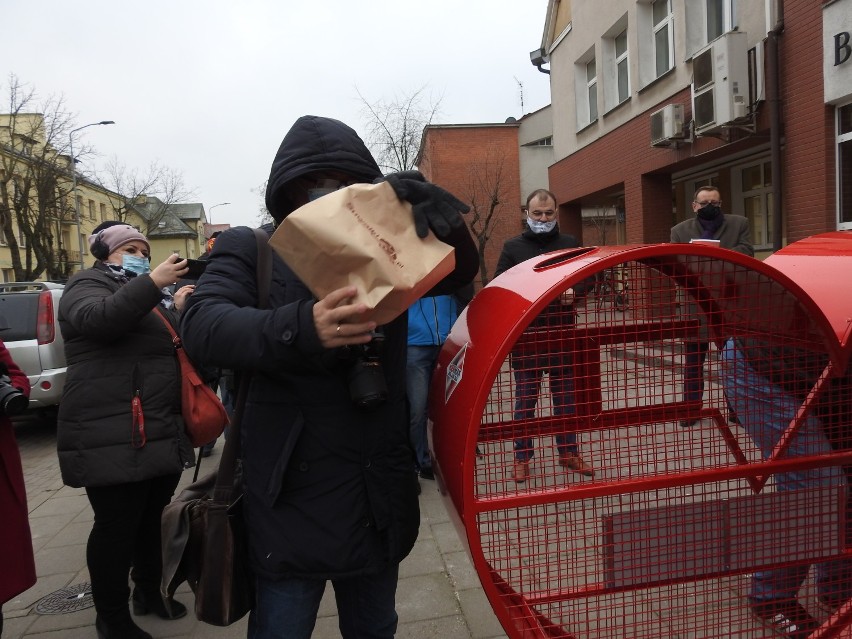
[433, 207]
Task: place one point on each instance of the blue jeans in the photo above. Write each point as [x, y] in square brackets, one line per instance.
[528, 373]
[287, 609]
[765, 411]
[418, 373]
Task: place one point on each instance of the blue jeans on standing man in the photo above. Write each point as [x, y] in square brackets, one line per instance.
[287, 608]
[420, 366]
[528, 372]
[765, 411]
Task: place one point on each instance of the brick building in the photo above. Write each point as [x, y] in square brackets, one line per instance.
[754, 97]
[491, 167]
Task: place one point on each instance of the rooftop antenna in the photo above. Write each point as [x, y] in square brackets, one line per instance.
[520, 92]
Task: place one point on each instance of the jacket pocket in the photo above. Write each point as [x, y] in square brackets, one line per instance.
[276, 478]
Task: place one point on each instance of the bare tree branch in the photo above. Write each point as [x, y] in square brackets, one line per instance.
[394, 128]
[486, 193]
[35, 182]
[603, 220]
[130, 185]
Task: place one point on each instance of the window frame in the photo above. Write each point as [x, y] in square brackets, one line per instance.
[696, 23]
[739, 194]
[584, 88]
[842, 138]
[611, 63]
[666, 23]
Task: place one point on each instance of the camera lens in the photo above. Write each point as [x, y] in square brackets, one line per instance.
[367, 386]
[12, 401]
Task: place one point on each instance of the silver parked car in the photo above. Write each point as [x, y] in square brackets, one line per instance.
[30, 331]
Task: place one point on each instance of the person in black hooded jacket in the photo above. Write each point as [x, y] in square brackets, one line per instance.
[329, 492]
[542, 236]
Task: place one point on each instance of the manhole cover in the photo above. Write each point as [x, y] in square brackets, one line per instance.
[70, 599]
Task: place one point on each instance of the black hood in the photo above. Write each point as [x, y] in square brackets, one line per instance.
[314, 144]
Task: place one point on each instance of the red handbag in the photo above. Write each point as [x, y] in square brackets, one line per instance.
[203, 414]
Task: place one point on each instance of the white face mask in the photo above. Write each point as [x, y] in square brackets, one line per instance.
[541, 226]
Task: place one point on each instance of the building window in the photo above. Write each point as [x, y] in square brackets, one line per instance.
[616, 65]
[91, 209]
[103, 212]
[592, 90]
[751, 187]
[586, 89]
[548, 141]
[621, 66]
[8, 275]
[706, 20]
[844, 167]
[663, 38]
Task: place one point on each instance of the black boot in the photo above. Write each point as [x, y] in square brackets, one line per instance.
[119, 629]
[143, 603]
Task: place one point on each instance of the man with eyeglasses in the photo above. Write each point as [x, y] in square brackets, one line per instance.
[540, 236]
[732, 232]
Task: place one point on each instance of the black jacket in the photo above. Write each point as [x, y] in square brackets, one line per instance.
[528, 245]
[330, 488]
[116, 346]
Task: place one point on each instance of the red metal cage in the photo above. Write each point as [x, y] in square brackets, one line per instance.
[652, 441]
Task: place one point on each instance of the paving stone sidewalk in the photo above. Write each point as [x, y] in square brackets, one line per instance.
[439, 594]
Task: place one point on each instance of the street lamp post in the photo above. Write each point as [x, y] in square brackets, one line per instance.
[210, 219]
[74, 184]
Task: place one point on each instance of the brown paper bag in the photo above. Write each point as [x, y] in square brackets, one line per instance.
[364, 236]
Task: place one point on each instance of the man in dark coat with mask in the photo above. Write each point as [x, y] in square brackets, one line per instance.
[542, 236]
[732, 232]
[329, 492]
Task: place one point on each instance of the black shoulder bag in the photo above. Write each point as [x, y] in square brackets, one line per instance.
[203, 533]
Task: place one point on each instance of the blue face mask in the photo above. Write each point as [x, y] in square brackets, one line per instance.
[540, 226]
[135, 264]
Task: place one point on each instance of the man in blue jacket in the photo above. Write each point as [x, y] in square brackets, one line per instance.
[329, 492]
[429, 322]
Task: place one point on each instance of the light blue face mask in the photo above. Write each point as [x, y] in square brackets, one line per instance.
[540, 226]
[135, 264]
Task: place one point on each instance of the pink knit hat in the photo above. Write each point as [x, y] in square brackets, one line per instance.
[114, 237]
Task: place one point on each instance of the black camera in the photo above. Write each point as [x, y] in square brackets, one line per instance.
[12, 400]
[367, 386]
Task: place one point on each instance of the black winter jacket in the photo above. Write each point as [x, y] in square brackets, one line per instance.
[116, 347]
[330, 488]
[528, 245]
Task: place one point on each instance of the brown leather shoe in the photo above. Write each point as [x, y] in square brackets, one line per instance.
[521, 471]
[575, 463]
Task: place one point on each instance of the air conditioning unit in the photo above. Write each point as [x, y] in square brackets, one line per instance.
[720, 83]
[667, 125]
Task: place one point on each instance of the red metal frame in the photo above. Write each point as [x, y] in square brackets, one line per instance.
[802, 307]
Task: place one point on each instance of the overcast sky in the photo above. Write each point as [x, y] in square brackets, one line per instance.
[209, 88]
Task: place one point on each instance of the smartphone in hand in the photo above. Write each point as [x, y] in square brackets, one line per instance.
[196, 268]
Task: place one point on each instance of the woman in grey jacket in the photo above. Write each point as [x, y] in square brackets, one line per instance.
[120, 432]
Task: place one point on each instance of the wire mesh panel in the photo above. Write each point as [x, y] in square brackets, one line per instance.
[671, 465]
